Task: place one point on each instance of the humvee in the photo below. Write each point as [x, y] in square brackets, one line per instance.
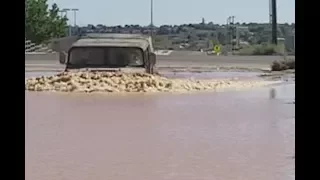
[110, 52]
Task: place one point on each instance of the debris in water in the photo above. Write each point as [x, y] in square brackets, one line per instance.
[113, 82]
[272, 93]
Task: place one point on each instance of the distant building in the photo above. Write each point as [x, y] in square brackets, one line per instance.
[203, 21]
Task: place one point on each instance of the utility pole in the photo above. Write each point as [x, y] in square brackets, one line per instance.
[237, 36]
[232, 17]
[270, 12]
[228, 34]
[75, 20]
[75, 16]
[227, 30]
[274, 22]
[231, 32]
[151, 19]
[25, 17]
[66, 10]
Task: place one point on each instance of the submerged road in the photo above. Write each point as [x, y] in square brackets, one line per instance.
[208, 136]
[221, 136]
[185, 59]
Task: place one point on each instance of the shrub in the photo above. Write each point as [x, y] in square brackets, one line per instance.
[283, 65]
[291, 63]
[261, 49]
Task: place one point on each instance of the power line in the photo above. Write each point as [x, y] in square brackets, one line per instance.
[151, 18]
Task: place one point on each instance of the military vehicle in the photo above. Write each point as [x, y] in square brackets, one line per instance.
[110, 52]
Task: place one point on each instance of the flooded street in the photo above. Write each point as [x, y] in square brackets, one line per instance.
[241, 135]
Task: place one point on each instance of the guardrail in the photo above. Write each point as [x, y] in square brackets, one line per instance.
[32, 47]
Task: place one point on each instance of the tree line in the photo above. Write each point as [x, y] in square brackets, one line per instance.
[43, 23]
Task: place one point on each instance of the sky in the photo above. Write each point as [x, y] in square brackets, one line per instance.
[171, 12]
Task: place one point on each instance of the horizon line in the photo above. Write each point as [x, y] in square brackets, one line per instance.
[182, 24]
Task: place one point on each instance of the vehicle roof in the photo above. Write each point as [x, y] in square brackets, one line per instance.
[116, 35]
[138, 43]
[117, 42]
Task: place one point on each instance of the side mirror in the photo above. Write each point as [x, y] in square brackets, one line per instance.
[152, 58]
[63, 57]
[151, 62]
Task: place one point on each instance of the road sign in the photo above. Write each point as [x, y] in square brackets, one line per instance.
[217, 48]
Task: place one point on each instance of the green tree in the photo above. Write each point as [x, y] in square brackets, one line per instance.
[43, 24]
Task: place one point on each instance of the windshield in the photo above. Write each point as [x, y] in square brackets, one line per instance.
[105, 57]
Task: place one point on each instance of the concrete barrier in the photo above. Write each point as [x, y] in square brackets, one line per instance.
[163, 52]
[42, 56]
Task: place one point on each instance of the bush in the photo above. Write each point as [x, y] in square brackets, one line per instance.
[291, 63]
[261, 49]
[283, 65]
[246, 51]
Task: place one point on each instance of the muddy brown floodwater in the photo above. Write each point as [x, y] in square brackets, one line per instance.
[241, 135]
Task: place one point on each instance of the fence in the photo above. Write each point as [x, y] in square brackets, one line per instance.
[31, 47]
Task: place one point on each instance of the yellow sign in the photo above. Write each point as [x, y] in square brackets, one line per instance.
[217, 48]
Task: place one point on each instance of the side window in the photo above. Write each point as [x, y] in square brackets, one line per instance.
[111, 56]
[121, 55]
[116, 56]
[79, 56]
[96, 56]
